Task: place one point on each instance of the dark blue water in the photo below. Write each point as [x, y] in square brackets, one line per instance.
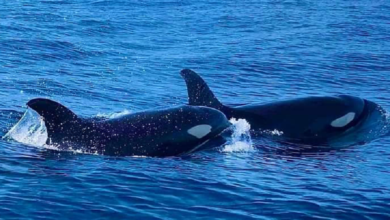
[103, 57]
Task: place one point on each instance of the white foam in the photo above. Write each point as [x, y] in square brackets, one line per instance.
[241, 139]
[386, 114]
[274, 132]
[30, 130]
[114, 115]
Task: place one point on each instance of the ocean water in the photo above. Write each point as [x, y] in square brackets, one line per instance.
[104, 58]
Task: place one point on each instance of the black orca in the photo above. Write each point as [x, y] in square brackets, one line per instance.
[310, 120]
[159, 133]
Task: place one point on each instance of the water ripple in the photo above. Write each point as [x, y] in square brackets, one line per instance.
[102, 56]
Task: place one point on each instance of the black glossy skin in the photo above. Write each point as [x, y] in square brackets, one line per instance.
[307, 120]
[304, 120]
[150, 133]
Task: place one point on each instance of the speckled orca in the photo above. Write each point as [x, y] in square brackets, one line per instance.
[310, 120]
[165, 132]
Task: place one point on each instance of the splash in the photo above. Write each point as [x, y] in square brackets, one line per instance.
[30, 130]
[241, 139]
[386, 114]
[114, 115]
[274, 132]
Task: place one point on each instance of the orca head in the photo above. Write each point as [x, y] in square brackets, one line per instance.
[211, 121]
[356, 110]
[202, 124]
[352, 114]
[332, 116]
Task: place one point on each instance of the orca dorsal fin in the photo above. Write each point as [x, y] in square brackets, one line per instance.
[199, 94]
[53, 113]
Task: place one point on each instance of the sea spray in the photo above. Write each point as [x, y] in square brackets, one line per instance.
[113, 115]
[30, 130]
[241, 139]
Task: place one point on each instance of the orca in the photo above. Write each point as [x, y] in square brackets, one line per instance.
[156, 133]
[311, 120]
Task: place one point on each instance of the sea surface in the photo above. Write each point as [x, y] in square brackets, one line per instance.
[104, 58]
